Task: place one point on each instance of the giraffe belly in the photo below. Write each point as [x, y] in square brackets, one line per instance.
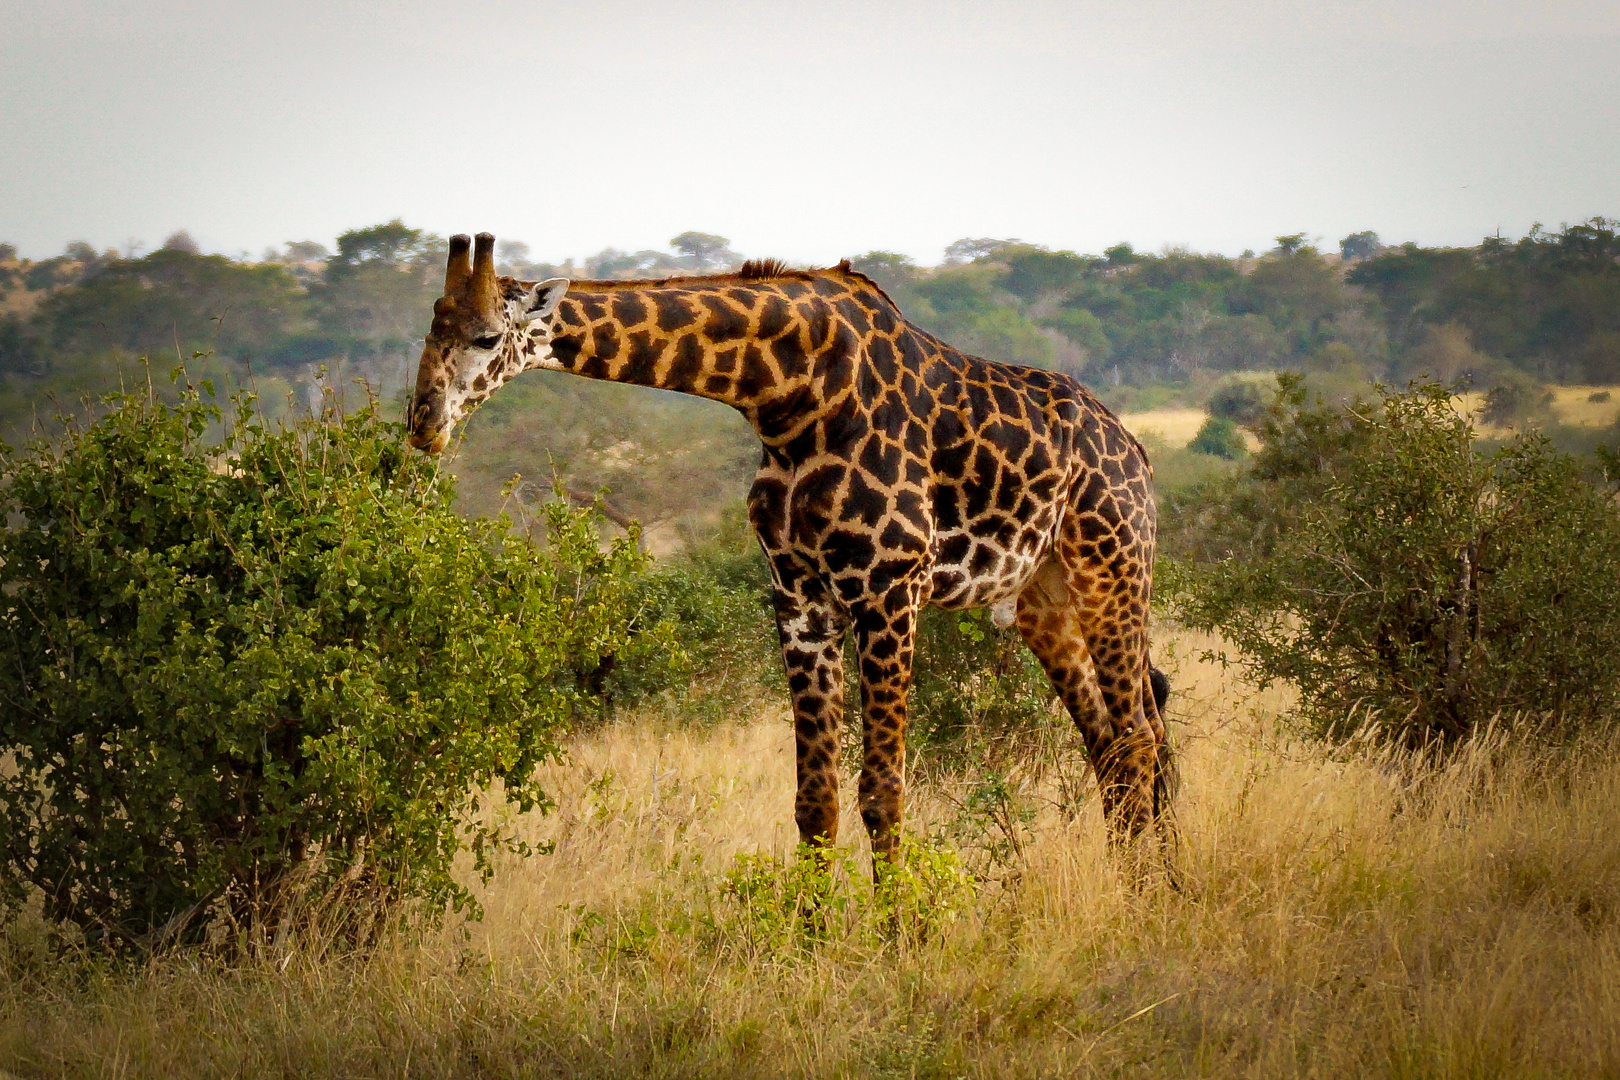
[985, 576]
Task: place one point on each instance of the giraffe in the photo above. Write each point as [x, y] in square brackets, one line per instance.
[896, 472]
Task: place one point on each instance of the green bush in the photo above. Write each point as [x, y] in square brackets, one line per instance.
[242, 673]
[1403, 578]
[973, 683]
[1219, 437]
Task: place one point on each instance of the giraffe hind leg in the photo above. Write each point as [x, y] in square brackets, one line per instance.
[1051, 625]
[1077, 631]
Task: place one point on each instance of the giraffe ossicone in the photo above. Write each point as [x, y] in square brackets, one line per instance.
[896, 472]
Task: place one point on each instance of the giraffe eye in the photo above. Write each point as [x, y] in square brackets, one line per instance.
[487, 341]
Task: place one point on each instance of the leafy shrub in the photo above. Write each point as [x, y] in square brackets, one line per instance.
[972, 683]
[1403, 578]
[1599, 397]
[1219, 437]
[281, 661]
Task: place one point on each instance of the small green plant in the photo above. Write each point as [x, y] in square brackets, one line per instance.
[924, 892]
[245, 672]
[821, 894]
[997, 820]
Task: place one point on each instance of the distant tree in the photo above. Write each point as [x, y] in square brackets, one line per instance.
[896, 275]
[1361, 245]
[886, 266]
[705, 252]
[1296, 289]
[970, 249]
[1446, 353]
[393, 243]
[172, 298]
[968, 288]
[613, 264]
[1515, 399]
[1121, 254]
[180, 241]
[1246, 342]
[1081, 327]
[8, 252]
[300, 251]
[373, 301]
[512, 251]
[1034, 271]
[54, 273]
[1240, 402]
[1288, 245]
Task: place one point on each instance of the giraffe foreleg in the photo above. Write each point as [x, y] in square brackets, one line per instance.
[812, 637]
[886, 635]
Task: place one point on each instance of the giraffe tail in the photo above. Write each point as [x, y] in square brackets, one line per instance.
[1166, 777]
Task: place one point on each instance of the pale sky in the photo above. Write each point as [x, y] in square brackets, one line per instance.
[808, 131]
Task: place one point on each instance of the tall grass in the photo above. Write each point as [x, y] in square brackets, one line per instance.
[1341, 914]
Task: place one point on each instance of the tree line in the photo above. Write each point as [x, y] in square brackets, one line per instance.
[1546, 304]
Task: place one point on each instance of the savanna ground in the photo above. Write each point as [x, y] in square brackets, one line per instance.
[1341, 913]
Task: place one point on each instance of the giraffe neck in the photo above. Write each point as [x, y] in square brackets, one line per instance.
[754, 345]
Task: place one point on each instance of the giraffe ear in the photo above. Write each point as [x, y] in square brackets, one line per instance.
[541, 299]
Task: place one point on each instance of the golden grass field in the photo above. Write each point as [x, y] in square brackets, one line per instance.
[1175, 427]
[1571, 405]
[1340, 915]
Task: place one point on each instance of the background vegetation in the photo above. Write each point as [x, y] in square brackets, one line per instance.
[1147, 331]
[1411, 583]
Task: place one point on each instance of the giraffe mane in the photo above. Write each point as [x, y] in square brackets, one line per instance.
[759, 269]
[751, 270]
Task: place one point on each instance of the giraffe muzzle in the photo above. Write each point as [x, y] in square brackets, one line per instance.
[432, 442]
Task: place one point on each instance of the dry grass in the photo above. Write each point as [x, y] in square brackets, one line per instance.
[1340, 916]
[1573, 405]
[1174, 427]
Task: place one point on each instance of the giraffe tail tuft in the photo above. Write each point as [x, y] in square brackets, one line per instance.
[1161, 688]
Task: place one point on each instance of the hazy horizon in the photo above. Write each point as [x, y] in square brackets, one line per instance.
[806, 134]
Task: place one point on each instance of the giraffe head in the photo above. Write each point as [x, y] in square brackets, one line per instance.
[485, 330]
